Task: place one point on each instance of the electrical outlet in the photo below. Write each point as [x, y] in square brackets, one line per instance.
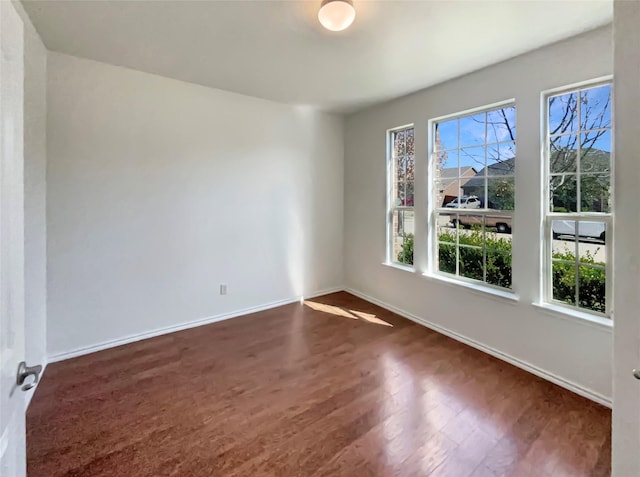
[223, 289]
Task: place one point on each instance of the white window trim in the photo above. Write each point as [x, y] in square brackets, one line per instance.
[433, 211]
[399, 266]
[391, 208]
[474, 285]
[546, 281]
[574, 314]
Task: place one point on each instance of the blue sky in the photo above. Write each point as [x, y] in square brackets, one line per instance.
[470, 130]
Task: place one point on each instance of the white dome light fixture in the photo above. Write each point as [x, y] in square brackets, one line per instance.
[336, 15]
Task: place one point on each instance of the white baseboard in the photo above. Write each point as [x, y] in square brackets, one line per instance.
[326, 291]
[571, 386]
[182, 326]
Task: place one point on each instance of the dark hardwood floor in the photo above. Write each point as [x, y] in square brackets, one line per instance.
[334, 387]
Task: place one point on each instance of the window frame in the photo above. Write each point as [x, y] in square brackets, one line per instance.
[548, 216]
[434, 211]
[391, 208]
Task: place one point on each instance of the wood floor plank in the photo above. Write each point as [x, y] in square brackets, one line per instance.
[335, 386]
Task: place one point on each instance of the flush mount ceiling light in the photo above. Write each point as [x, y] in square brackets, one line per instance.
[336, 15]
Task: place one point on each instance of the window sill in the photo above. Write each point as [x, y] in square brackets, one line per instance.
[398, 266]
[574, 315]
[485, 291]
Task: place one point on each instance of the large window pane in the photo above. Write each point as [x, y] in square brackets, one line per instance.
[579, 178]
[400, 215]
[579, 245]
[477, 175]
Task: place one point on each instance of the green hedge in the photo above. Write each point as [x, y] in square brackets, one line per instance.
[405, 255]
[499, 266]
[471, 259]
[592, 281]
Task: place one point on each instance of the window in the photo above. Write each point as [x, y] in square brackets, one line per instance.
[578, 213]
[473, 165]
[401, 183]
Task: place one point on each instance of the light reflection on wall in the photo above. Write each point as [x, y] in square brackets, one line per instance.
[296, 262]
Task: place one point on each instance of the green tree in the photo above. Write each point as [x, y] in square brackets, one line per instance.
[501, 193]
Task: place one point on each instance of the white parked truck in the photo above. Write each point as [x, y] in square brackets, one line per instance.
[587, 230]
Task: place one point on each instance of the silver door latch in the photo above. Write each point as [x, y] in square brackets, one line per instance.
[24, 372]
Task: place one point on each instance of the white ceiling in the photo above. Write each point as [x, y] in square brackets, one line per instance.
[277, 50]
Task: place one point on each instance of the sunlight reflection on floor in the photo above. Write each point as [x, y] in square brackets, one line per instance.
[351, 314]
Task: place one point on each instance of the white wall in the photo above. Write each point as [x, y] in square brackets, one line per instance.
[572, 351]
[158, 191]
[626, 389]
